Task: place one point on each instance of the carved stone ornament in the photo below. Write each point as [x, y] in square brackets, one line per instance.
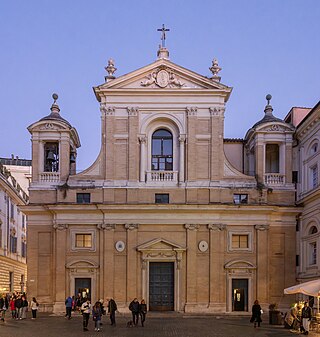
[60, 226]
[107, 110]
[217, 227]
[161, 254]
[191, 227]
[142, 139]
[120, 246]
[274, 127]
[261, 227]
[106, 226]
[49, 126]
[162, 78]
[182, 138]
[133, 111]
[110, 69]
[216, 111]
[131, 226]
[191, 110]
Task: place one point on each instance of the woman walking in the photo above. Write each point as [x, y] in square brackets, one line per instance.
[34, 307]
[256, 314]
[143, 311]
[96, 315]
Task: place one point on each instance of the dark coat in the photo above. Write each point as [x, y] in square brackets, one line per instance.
[256, 313]
[143, 308]
[134, 307]
[18, 303]
[112, 306]
[4, 302]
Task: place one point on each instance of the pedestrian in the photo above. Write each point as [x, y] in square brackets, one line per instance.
[34, 307]
[96, 315]
[4, 306]
[256, 314]
[68, 303]
[85, 309]
[73, 307]
[112, 308]
[78, 302]
[143, 311]
[134, 308]
[12, 305]
[306, 318]
[18, 305]
[24, 306]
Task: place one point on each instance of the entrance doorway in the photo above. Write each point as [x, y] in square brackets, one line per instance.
[161, 286]
[83, 287]
[240, 294]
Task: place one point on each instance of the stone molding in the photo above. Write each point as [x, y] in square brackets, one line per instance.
[60, 226]
[192, 227]
[142, 139]
[131, 226]
[132, 111]
[182, 138]
[262, 227]
[192, 110]
[107, 110]
[217, 227]
[216, 111]
[106, 226]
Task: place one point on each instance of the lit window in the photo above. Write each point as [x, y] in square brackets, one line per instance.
[83, 198]
[162, 198]
[313, 253]
[240, 198]
[240, 241]
[83, 240]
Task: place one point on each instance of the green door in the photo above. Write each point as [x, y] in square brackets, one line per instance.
[161, 286]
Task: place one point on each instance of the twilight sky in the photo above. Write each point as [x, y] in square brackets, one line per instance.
[62, 46]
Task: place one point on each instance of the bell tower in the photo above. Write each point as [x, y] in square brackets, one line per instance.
[54, 148]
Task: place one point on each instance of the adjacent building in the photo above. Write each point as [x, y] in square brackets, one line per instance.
[14, 175]
[170, 211]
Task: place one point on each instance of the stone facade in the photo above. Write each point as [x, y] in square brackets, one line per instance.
[169, 211]
[14, 175]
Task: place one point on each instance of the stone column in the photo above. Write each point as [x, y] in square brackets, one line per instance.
[60, 281]
[216, 250]
[143, 159]
[262, 254]
[107, 259]
[182, 140]
[132, 286]
[191, 272]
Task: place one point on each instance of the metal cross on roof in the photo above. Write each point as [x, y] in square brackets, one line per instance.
[163, 36]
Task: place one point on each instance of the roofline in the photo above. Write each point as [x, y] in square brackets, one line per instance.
[308, 115]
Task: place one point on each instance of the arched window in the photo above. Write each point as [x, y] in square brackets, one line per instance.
[313, 230]
[162, 151]
[314, 149]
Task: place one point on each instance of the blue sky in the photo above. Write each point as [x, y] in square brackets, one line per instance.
[263, 46]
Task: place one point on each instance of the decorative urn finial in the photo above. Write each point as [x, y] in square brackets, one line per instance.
[111, 69]
[55, 107]
[215, 70]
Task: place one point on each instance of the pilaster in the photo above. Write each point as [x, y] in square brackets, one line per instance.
[191, 143]
[133, 145]
[143, 144]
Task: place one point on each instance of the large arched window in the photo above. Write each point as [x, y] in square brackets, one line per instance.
[162, 151]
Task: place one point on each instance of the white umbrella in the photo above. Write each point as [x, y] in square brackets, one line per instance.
[311, 288]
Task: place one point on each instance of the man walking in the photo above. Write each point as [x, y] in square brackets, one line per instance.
[134, 308]
[306, 318]
[68, 304]
[85, 309]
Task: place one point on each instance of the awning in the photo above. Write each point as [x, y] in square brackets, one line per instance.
[311, 288]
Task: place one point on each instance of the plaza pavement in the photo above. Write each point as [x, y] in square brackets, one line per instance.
[156, 325]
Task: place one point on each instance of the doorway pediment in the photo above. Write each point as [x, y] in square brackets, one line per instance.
[160, 244]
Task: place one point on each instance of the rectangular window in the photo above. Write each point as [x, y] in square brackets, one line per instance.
[11, 281]
[162, 198]
[295, 177]
[23, 249]
[0, 236]
[83, 198]
[83, 240]
[23, 221]
[313, 253]
[314, 176]
[240, 198]
[240, 241]
[12, 211]
[297, 260]
[13, 244]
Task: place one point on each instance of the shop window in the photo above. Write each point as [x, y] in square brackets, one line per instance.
[162, 198]
[83, 198]
[83, 241]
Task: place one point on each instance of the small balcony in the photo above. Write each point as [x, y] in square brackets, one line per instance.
[162, 176]
[274, 179]
[49, 177]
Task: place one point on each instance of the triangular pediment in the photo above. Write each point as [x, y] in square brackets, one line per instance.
[162, 75]
[160, 244]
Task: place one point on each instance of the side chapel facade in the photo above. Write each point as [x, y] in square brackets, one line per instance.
[170, 211]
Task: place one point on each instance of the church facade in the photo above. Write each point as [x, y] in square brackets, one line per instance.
[170, 211]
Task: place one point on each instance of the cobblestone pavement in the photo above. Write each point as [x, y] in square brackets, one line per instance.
[155, 326]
